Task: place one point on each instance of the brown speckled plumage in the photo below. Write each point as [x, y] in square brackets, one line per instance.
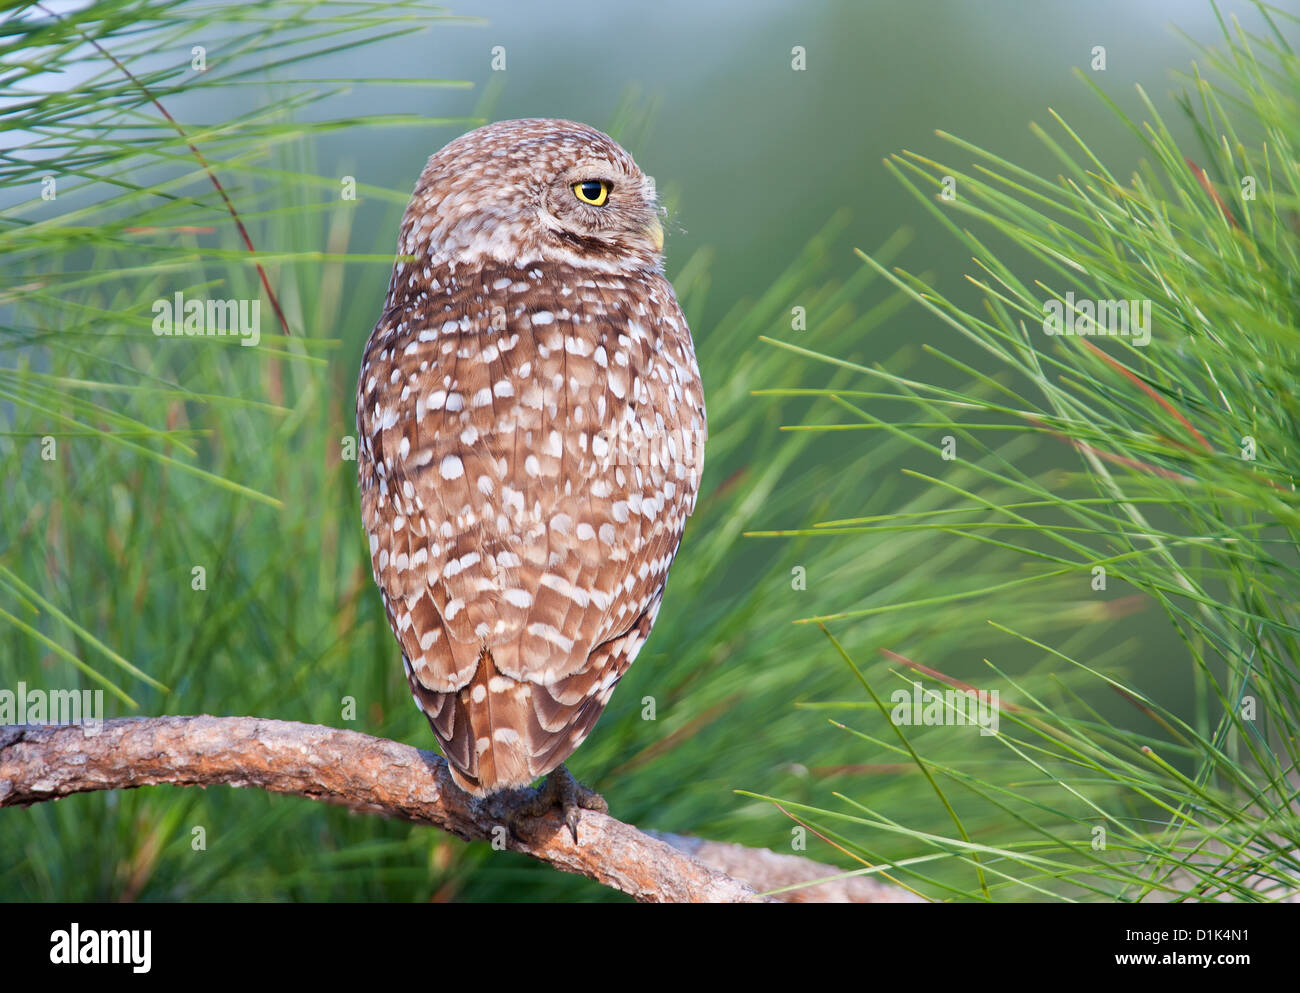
[531, 424]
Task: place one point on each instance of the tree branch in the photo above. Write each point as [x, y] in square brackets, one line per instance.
[374, 775]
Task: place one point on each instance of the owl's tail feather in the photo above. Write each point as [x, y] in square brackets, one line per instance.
[476, 727]
[500, 733]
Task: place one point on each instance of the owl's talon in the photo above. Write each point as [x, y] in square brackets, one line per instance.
[570, 796]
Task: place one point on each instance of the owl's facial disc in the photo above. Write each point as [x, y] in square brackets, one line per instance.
[655, 231]
[529, 191]
[603, 208]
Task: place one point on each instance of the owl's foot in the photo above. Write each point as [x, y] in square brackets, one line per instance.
[563, 791]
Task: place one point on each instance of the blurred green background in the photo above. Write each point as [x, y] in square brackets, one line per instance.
[772, 176]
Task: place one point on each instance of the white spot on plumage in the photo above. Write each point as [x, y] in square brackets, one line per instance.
[551, 635]
[518, 598]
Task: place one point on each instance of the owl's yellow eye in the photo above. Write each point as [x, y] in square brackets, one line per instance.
[593, 191]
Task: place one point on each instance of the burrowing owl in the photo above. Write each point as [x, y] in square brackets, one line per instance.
[531, 424]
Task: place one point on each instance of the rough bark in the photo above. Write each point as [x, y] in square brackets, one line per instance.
[373, 775]
[765, 871]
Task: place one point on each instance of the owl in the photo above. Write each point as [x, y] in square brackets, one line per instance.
[531, 430]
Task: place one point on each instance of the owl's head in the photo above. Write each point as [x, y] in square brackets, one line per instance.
[530, 191]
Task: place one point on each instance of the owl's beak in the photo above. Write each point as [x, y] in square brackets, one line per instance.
[656, 232]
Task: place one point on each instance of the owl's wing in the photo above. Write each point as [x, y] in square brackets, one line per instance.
[524, 481]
